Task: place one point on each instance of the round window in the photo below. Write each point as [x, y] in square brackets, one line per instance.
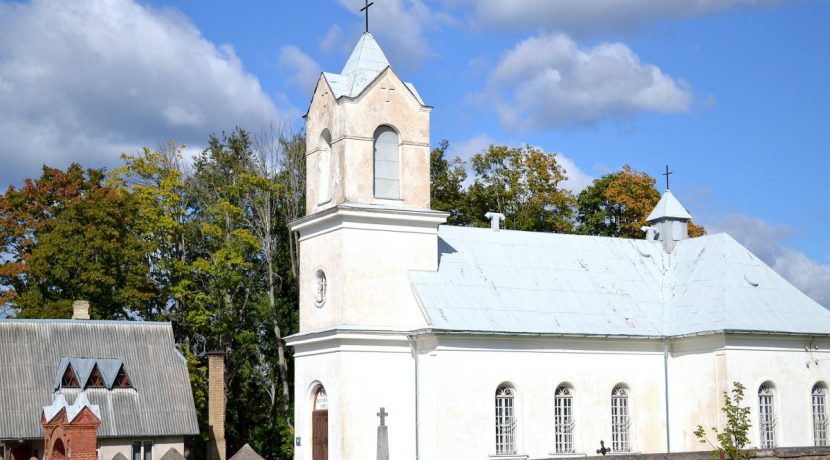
[320, 288]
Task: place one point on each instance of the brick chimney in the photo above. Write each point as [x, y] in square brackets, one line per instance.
[80, 309]
[216, 405]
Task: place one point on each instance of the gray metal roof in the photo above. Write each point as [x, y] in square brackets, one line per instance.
[160, 404]
[526, 282]
[364, 65]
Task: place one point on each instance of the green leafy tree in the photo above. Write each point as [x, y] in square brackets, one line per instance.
[524, 185]
[733, 439]
[447, 191]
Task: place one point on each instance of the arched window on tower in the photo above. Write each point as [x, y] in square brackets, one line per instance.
[324, 168]
[387, 159]
[766, 415]
[563, 413]
[505, 420]
[620, 420]
[819, 396]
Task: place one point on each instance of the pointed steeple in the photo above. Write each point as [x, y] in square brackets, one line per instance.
[365, 63]
[366, 57]
[669, 222]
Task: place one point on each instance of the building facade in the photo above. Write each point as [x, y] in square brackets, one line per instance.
[60, 375]
[489, 343]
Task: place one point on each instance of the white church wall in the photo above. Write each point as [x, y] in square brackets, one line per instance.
[361, 373]
[697, 379]
[459, 384]
[793, 365]
[316, 366]
[322, 252]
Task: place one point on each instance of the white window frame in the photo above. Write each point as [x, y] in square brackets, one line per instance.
[620, 420]
[819, 410]
[563, 415]
[505, 420]
[766, 416]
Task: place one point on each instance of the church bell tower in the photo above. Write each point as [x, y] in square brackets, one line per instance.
[368, 219]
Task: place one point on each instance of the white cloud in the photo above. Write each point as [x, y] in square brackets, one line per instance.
[577, 178]
[332, 38]
[548, 81]
[84, 81]
[765, 241]
[304, 71]
[588, 17]
[400, 27]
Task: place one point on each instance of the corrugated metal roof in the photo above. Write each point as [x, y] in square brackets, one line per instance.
[161, 403]
[364, 65]
[525, 282]
[668, 207]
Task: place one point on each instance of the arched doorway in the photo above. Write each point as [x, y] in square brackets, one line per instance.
[58, 450]
[320, 425]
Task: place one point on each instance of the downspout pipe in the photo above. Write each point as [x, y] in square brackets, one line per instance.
[666, 383]
[413, 347]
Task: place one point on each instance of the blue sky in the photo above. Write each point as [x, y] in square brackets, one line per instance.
[731, 93]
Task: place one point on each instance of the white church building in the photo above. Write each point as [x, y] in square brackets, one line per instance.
[487, 343]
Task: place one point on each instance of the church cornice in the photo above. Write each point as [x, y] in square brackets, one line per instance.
[369, 217]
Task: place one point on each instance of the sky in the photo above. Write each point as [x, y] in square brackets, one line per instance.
[732, 94]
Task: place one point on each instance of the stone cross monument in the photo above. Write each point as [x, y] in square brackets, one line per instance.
[383, 436]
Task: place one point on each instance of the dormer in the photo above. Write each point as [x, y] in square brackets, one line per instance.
[669, 222]
[365, 127]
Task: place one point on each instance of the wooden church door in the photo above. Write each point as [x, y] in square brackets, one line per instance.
[320, 426]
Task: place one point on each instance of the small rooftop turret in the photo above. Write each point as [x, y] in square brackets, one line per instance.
[669, 222]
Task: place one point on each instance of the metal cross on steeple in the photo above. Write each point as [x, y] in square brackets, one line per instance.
[366, 9]
[382, 414]
[667, 173]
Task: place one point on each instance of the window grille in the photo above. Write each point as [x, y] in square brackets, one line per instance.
[819, 415]
[766, 412]
[96, 380]
[505, 421]
[620, 421]
[69, 380]
[563, 421]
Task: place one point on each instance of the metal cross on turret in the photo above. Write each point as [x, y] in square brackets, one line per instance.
[667, 173]
[382, 414]
[366, 9]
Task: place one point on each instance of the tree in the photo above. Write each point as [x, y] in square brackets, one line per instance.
[524, 185]
[69, 235]
[617, 205]
[734, 437]
[447, 191]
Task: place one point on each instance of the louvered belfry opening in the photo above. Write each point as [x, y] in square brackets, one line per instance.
[69, 379]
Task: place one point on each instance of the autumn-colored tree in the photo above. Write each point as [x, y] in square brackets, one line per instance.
[524, 185]
[617, 204]
[68, 235]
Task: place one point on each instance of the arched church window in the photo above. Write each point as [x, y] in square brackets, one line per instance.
[819, 397]
[620, 420]
[766, 415]
[324, 168]
[387, 163]
[505, 420]
[563, 420]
